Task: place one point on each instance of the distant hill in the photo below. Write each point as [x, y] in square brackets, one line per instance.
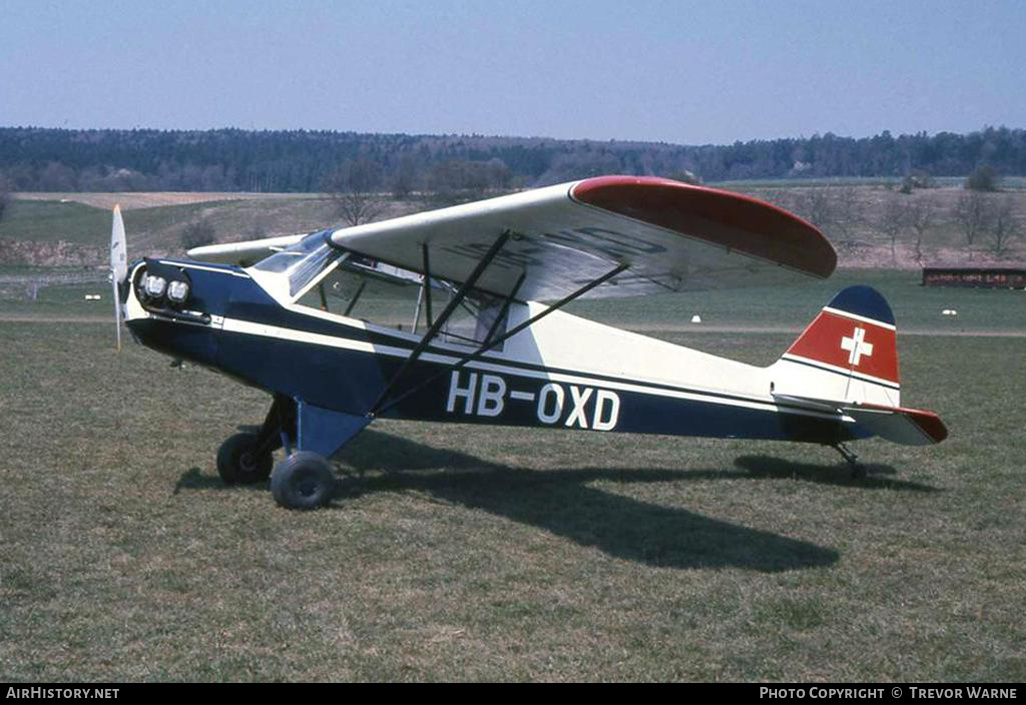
[42, 159]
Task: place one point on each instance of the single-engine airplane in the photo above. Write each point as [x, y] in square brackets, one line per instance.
[488, 341]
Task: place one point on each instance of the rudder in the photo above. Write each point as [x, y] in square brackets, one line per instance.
[848, 353]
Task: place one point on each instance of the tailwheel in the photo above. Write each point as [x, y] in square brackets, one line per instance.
[858, 470]
[242, 460]
[303, 480]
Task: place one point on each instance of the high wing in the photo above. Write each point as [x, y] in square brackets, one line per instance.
[670, 236]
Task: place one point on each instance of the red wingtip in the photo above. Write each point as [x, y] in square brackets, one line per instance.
[729, 219]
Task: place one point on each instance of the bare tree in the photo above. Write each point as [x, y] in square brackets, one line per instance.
[972, 213]
[354, 188]
[920, 214]
[406, 177]
[5, 194]
[891, 220]
[845, 206]
[1003, 227]
[816, 206]
[198, 234]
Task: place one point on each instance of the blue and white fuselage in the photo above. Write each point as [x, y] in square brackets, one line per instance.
[562, 372]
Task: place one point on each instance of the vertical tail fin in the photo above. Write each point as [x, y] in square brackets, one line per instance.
[847, 354]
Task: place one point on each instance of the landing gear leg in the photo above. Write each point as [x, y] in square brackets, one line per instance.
[305, 479]
[245, 458]
[858, 470]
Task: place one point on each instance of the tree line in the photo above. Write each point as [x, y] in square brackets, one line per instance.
[44, 159]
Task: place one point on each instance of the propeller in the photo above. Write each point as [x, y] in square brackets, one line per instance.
[118, 266]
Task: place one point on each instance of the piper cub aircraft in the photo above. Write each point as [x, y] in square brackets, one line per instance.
[485, 339]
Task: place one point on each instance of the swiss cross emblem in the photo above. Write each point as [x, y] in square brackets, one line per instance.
[857, 346]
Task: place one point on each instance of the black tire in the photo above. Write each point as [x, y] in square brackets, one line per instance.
[304, 480]
[237, 463]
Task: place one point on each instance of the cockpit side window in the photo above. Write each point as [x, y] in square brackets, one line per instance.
[476, 320]
[315, 273]
[379, 293]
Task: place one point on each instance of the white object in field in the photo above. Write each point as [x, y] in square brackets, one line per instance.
[92, 297]
[696, 318]
[949, 312]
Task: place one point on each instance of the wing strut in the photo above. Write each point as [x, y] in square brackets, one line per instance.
[356, 297]
[427, 284]
[443, 317]
[488, 345]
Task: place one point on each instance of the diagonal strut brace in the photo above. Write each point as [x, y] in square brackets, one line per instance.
[477, 354]
[443, 317]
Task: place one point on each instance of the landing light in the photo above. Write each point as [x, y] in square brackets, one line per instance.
[154, 286]
[178, 291]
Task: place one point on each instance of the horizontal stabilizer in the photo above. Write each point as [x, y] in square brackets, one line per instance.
[910, 427]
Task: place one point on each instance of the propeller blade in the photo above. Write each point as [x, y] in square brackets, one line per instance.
[117, 313]
[118, 266]
[118, 253]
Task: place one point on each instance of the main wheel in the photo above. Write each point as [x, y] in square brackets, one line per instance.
[304, 480]
[239, 462]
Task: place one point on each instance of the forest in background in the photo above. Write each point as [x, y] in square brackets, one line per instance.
[301, 161]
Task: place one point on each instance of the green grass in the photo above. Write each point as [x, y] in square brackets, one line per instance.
[160, 227]
[916, 308]
[52, 221]
[488, 553]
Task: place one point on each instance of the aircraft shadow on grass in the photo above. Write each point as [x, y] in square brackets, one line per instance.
[560, 501]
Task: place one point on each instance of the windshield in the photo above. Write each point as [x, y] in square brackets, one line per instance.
[302, 262]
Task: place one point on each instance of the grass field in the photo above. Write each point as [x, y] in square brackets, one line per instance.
[485, 553]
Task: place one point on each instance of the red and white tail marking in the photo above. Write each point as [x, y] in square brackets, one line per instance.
[845, 342]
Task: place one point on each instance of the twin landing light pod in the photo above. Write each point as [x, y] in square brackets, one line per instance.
[154, 286]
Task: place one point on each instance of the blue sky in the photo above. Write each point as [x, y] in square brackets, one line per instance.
[679, 71]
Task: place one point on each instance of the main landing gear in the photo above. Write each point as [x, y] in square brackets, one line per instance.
[304, 479]
[246, 458]
[242, 459]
